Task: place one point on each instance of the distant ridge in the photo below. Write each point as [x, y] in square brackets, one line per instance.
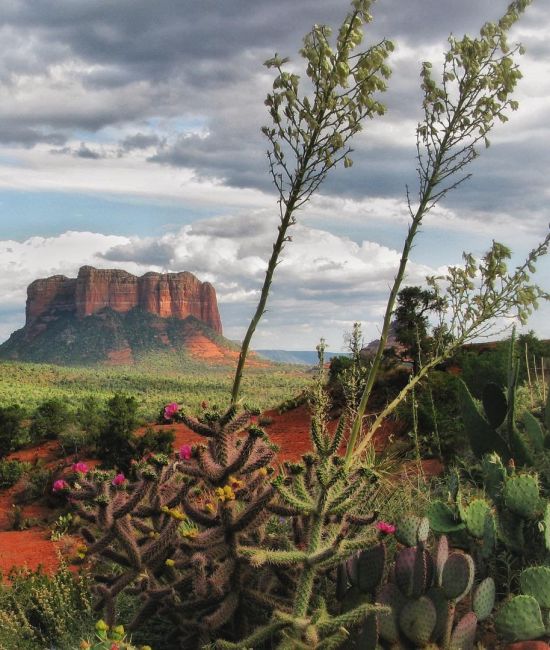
[301, 357]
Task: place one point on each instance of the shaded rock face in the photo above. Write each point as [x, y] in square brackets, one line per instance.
[176, 295]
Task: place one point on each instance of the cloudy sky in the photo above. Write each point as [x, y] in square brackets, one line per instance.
[130, 138]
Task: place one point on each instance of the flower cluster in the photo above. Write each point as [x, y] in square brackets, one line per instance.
[225, 493]
[119, 480]
[185, 452]
[175, 513]
[170, 410]
[60, 485]
[385, 528]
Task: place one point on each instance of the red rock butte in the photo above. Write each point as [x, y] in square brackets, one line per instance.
[177, 295]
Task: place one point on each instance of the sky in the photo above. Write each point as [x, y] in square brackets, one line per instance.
[130, 138]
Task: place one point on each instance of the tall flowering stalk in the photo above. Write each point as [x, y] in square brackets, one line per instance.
[310, 135]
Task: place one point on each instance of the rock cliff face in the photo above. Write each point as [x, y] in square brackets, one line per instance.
[177, 295]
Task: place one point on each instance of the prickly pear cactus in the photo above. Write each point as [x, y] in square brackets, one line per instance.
[423, 596]
[521, 495]
[526, 617]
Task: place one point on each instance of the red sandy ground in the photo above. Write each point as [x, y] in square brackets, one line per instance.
[32, 547]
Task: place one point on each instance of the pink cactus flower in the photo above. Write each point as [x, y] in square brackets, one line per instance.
[60, 485]
[170, 410]
[119, 479]
[185, 452]
[385, 527]
[80, 468]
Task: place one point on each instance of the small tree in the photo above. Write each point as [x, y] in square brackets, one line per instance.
[115, 446]
[411, 320]
[49, 419]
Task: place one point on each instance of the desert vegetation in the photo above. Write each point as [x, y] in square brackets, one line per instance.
[225, 542]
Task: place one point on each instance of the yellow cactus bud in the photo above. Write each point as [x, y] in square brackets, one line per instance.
[169, 562]
[84, 645]
[210, 507]
[262, 471]
[101, 626]
[117, 633]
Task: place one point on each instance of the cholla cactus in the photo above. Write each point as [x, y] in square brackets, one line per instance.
[182, 533]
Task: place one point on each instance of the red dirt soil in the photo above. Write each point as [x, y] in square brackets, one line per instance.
[202, 348]
[289, 430]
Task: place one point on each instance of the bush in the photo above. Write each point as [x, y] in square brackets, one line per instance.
[49, 420]
[156, 442]
[37, 484]
[10, 472]
[440, 427]
[10, 427]
[74, 438]
[39, 611]
[90, 416]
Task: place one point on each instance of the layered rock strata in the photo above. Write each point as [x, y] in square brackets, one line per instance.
[177, 295]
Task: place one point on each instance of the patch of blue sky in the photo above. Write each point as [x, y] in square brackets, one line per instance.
[47, 214]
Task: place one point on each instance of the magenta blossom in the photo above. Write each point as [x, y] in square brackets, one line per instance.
[119, 479]
[385, 527]
[59, 485]
[170, 410]
[185, 452]
[80, 468]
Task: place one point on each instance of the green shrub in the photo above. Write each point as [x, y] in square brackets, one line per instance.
[49, 420]
[440, 426]
[10, 427]
[10, 472]
[40, 611]
[155, 442]
[115, 443]
[37, 484]
[74, 438]
[90, 416]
